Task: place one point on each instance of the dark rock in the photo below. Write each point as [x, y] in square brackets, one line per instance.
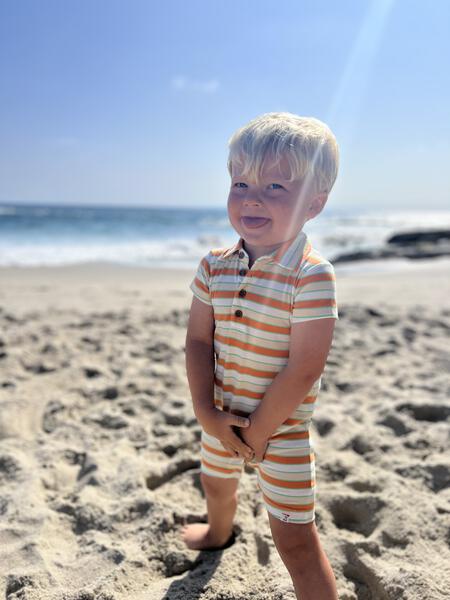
[413, 237]
[412, 245]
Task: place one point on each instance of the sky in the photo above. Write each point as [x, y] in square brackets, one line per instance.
[132, 103]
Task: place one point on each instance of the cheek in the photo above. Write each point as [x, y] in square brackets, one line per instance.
[233, 205]
[289, 210]
[278, 209]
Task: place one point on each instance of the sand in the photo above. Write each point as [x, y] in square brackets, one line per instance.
[99, 446]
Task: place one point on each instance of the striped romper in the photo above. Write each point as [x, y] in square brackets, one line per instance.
[253, 310]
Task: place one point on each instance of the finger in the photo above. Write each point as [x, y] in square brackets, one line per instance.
[241, 452]
[239, 442]
[238, 421]
[247, 451]
[230, 449]
[242, 447]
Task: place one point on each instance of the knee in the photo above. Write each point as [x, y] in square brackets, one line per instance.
[219, 488]
[298, 553]
[298, 550]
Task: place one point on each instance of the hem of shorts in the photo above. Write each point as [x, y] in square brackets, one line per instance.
[291, 519]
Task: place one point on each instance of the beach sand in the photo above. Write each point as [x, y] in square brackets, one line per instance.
[99, 446]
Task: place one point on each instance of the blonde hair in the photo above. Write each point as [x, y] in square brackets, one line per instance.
[308, 144]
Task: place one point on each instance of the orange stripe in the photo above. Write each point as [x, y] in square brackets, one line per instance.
[219, 469]
[290, 460]
[218, 270]
[242, 392]
[261, 300]
[260, 274]
[200, 285]
[309, 400]
[294, 507]
[293, 421]
[255, 324]
[247, 370]
[278, 277]
[205, 264]
[314, 278]
[251, 347]
[299, 435]
[293, 485]
[219, 452]
[268, 301]
[314, 303]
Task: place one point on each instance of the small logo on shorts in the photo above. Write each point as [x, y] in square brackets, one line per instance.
[285, 516]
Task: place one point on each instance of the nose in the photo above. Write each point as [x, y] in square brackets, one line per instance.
[252, 198]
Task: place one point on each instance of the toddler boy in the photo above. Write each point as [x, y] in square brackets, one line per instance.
[260, 329]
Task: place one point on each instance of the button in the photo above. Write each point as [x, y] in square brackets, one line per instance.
[241, 254]
[242, 272]
[238, 313]
[242, 293]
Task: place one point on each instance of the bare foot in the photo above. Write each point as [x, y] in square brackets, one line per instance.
[197, 537]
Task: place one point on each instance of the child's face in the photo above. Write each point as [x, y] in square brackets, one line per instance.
[275, 199]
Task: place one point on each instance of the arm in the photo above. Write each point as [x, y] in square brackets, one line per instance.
[313, 317]
[200, 366]
[200, 362]
[308, 351]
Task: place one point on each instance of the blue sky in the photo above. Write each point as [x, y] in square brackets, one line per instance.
[133, 102]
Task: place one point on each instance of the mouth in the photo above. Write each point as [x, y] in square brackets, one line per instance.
[254, 222]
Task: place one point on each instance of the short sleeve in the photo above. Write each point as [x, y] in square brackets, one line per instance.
[200, 285]
[315, 294]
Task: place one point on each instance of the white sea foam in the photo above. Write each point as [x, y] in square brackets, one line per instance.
[177, 253]
[58, 235]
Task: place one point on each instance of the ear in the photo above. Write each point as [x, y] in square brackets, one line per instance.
[316, 204]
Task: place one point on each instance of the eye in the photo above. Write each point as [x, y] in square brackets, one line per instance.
[239, 183]
[280, 186]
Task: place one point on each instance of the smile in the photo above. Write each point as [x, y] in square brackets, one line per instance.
[254, 222]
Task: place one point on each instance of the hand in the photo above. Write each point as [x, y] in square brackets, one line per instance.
[219, 424]
[259, 444]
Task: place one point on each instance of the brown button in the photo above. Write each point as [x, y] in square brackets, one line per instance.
[242, 272]
[241, 254]
[242, 292]
[238, 313]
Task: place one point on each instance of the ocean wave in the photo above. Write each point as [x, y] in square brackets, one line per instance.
[8, 210]
[42, 235]
[184, 252]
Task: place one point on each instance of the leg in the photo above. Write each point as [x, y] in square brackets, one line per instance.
[286, 478]
[301, 551]
[221, 500]
[220, 474]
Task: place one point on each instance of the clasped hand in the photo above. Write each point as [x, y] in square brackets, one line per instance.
[251, 437]
[236, 434]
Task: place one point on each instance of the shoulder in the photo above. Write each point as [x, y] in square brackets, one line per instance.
[314, 264]
[217, 253]
[212, 258]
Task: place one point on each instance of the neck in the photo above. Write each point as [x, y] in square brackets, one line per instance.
[256, 252]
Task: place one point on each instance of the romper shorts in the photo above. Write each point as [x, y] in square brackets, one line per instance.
[286, 475]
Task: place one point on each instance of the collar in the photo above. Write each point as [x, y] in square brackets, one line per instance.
[287, 255]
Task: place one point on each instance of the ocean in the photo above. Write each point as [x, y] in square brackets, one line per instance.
[39, 235]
